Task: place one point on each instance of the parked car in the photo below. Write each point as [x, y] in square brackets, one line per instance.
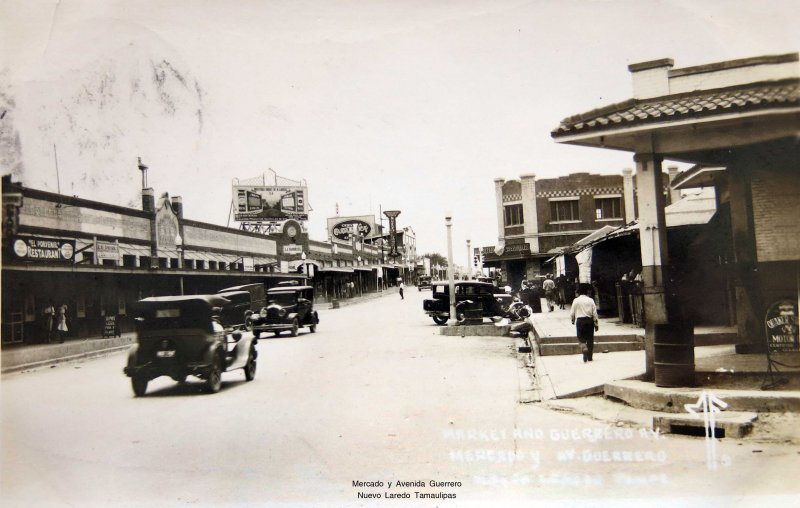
[493, 300]
[243, 305]
[178, 336]
[424, 282]
[288, 308]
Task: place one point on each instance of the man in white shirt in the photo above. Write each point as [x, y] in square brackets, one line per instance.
[584, 316]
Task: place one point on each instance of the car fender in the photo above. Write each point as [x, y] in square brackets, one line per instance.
[240, 352]
[132, 352]
[208, 357]
[293, 315]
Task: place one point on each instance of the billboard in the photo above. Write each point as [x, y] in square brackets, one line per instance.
[342, 229]
[259, 202]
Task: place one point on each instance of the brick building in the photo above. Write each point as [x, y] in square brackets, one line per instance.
[538, 218]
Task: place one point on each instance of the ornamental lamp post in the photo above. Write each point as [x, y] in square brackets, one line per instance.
[451, 283]
[179, 247]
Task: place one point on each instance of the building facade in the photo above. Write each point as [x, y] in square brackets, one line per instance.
[98, 259]
[537, 218]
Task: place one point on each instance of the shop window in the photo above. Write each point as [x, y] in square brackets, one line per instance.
[109, 262]
[513, 215]
[188, 264]
[199, 264]
[608, 208]
[565, 210]
[144, 261]
[163, 262]
[212, 265]
[173, 262]
[222, 265]
[128, 260]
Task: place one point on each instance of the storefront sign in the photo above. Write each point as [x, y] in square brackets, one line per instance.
[107, 250]
[44, 249]
[293, 249]
[781, 326]
[392, 214]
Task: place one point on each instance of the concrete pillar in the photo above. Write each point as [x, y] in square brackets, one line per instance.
[653, 246]
[177, 206]
[529, 215]
[498, 196]
[148, 200]
[628, 195]
[674, 194]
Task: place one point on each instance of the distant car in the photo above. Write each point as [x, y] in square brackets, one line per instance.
[178, 336]
[288, 308]
[245, 300]
[487, 279]
[493, 300]
[423, 282]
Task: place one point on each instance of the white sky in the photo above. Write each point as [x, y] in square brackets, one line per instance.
[411, 105]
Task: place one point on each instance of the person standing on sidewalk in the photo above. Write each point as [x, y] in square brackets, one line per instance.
[550, 292]
[584, 316]
[402, 287]
[49, 317]
[62, 323]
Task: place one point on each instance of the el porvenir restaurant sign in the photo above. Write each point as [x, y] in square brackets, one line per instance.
[781, 326]
[49, 250]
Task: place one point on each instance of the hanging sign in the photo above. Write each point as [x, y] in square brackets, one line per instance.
[39, 249]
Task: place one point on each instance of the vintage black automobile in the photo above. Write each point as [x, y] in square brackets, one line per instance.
[289, 307]
[245, 300]
[423, 282]
[493, 300]
[178, 336]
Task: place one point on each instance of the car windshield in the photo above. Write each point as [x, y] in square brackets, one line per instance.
[288, 298]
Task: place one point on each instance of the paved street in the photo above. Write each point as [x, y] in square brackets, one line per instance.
[376, 395]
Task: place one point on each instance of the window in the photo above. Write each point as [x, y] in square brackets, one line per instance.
[564, 210]
[608, 208]
[513, 215]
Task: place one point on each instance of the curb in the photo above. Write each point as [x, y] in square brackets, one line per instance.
[64, 359]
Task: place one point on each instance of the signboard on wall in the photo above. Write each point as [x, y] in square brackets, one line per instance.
[48, 250]
[254, 202]
[343, 229]
[107, 250]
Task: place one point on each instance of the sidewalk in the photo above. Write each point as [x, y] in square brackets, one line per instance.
[23, 357]
[735, 377]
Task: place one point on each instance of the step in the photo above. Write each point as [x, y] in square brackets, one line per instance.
[599, 348]
[483, 330]
[731, 424]
[571, 339]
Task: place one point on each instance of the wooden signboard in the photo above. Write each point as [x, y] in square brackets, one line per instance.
[110, 326]
[781, 326]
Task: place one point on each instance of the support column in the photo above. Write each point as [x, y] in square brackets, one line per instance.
[498, 196]
[653, 245]
[628, 195]
[529, 215]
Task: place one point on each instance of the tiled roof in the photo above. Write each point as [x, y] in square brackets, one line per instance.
[705, 103]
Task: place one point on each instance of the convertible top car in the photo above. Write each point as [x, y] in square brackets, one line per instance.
[178, 336]
[289, 307]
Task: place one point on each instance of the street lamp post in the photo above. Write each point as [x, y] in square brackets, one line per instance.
[179, 247]
[451, 283]
[469, 265]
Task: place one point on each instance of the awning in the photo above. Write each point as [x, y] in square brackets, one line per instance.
[334, 269]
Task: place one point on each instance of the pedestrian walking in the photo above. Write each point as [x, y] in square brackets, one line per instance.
[549, 287]
[584, 316]
[47, 322]
[62, 323]
[402, 287]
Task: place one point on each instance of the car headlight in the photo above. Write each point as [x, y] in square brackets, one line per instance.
[282, 312]
[263, 312]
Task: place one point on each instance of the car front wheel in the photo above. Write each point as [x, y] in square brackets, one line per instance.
[295, 326]
[250, 367]
[139, 385]
[440, 320]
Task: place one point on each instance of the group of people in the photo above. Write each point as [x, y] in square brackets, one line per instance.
[55, 320]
